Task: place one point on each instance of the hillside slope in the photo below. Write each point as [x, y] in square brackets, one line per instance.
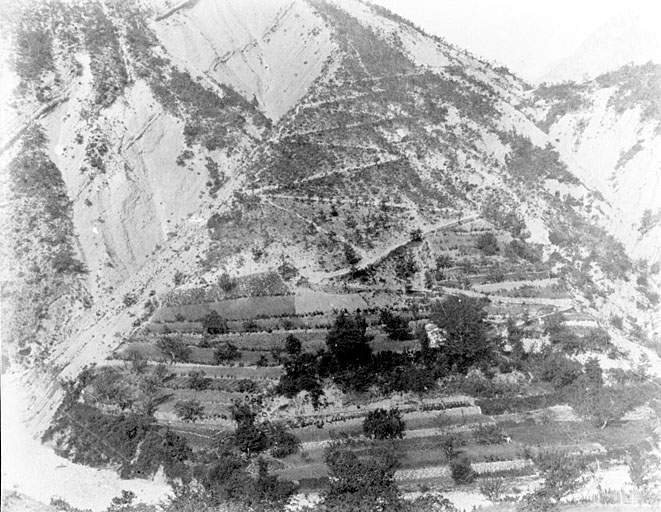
[296, 139]
[611, 128]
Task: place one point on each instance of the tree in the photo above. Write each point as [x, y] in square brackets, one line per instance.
[198, 380]
[301, 375]
[213, 323]
[492, 488]
[488, 244]
[462, 471]
[175, 348]
[292, 345]
[488, 434]
[562, 474]
[347, 341]
[365, 482]
[249, 437]
[444, 261]
[416, 235]
[467, 341]
[351, 256]
[189, 410]
[601, 405]
[397, 327]
[283, 441]
[382, 424]
[406, 266]
[136, 358]
[449, 445]
[226, 352]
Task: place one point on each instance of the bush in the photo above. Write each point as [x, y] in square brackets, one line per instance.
[213, 323]
[464, 321]
[382, 424]
[397, 327]
[283, 441]
[488, 244]
[347, 341]
[444, 261]
[492, 488]
[174, 348]
[189, 410]
[488, 434]
[226, 352]
[555, 368]
[198, 381]
[462, 472]
[301, 375]
[450, 443]
[129, 299]
[292, 345]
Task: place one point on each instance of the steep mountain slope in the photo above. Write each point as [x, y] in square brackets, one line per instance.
[182, 142]
[611, 128]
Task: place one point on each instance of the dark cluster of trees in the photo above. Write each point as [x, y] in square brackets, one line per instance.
[349, 362]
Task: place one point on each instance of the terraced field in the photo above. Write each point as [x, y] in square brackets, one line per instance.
[516, 289]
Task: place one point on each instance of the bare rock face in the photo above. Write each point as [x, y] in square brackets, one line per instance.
[270, 52]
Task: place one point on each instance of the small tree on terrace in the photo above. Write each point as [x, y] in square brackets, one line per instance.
[488, 244]
[292, 345]
[189, 410]
[226, 352]
[174, 348]
[213, 323]
[562, 474]
[382, 424]
[347, 341]
[467, 337]
[365, 482]
[351, 256]
[396, 327]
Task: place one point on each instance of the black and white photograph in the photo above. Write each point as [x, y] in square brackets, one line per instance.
[330, 255]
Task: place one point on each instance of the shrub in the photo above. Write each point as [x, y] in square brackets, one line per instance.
[467, 342]
[406, 266]
[189, 410]
[488, 244]
[213, 323]
[488, 434]
[444, 261]
[492, 488]
[301, 375]
[562, 474]
[382, 424]
[462, 472]
[283, 441]
[555, 368]
[226, 352]
[449, 445]
[361, 482]
[351, 256]
[174, 348]
[292, 345]
[198, 380]
[397, 327]
[347, 341]
[251, 326]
